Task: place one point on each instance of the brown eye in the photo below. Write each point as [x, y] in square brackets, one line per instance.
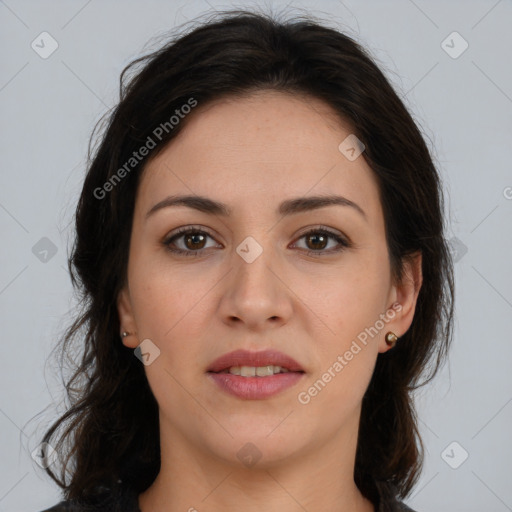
[187, 241]
[316, 241]
[194, 241]
[191, 242]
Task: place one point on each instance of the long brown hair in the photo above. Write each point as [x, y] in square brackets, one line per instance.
[110, 431]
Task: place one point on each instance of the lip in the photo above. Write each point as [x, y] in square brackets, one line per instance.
[261, 358]
[255, 388]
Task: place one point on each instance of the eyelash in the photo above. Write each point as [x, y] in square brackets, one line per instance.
[344, 243]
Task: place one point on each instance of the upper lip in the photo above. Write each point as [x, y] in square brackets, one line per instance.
[261, 358]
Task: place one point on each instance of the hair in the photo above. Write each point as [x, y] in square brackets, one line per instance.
[110, 431]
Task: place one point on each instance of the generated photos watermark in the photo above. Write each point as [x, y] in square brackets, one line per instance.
[304, 397]
[150, 143]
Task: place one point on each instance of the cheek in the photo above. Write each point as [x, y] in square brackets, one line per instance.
[336, 392]
[167, 294]
[347, 298]
[347, 351]
[171, 310]
[349, 304]
[170, 313]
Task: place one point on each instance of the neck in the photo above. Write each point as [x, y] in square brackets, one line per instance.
[317, 479]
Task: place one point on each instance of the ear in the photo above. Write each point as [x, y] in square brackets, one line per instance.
[126, 319]
[403, 297]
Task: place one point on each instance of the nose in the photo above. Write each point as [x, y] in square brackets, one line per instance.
[255, 294]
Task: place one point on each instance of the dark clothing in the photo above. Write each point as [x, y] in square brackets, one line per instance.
[126, 500]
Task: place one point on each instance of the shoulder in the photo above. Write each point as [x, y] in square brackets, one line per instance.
[123, 500]
[387, 500]
[74, 506]
[393, 505]
[402, 507]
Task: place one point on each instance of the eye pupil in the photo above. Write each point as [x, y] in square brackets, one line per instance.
[194, 237]
[316, 243]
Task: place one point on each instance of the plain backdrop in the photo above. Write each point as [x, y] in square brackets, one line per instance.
[449, 61]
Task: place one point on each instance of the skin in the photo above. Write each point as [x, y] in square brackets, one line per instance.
[252, 153]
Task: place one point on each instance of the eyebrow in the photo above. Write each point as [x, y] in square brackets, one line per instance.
[288, 207]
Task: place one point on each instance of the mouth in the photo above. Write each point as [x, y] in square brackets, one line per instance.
[257, 371]
[255, 364]
[255, 375]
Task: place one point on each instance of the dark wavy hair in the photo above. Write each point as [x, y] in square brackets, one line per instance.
[110, 431]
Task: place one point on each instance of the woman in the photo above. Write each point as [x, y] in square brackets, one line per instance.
[273, 368]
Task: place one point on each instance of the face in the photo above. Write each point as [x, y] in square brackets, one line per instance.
[308, 282]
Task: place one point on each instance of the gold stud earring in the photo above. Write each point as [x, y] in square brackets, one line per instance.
[391, 339]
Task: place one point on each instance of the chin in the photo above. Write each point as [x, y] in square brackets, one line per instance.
[255, 449]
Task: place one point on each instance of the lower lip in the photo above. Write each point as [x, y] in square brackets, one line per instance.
[255, 388]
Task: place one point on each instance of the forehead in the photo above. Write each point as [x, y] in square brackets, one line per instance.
[264, 146]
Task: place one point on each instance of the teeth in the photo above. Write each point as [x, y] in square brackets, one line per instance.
[259, 371]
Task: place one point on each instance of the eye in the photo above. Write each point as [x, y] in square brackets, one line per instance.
[193, 239]
[318, 238]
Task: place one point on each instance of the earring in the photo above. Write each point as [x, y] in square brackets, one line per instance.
[391, 339]
[124, 334]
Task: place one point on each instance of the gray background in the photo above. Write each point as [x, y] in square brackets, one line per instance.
[464, 106]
